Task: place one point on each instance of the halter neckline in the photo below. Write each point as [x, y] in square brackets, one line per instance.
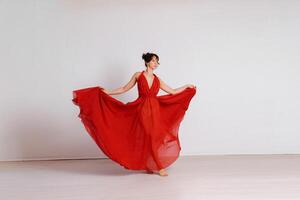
[149, 88]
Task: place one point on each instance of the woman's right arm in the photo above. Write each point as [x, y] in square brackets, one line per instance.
[124, 88]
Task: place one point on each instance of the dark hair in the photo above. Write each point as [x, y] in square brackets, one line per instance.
[147, 57]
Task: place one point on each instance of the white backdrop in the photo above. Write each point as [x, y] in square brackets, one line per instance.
[242, 55]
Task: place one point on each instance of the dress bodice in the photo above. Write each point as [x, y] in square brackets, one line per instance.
[144, 89]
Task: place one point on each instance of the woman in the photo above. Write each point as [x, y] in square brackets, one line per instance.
[142, 134]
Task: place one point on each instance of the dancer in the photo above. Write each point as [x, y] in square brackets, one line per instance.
[141, 134]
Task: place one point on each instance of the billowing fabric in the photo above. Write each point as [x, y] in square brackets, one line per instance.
[138, 135]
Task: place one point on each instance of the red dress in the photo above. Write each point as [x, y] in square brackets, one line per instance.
[138, 135]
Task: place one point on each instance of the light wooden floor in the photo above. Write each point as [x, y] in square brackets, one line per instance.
[240, 177]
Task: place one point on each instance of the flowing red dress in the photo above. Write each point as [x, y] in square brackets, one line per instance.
[138, 135]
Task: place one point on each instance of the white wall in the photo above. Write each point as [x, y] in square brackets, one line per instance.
[242, 55]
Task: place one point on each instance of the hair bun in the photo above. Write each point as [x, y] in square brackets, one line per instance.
[144, 56]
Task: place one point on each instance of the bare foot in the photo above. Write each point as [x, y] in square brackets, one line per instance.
[162, 172]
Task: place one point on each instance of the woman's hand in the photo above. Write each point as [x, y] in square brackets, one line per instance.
[190, 86]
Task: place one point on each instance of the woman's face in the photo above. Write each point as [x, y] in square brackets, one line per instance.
[153, 64]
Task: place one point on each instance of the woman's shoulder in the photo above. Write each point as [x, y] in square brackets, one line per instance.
[137, 74]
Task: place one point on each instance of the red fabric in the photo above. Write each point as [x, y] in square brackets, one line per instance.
[138, 135]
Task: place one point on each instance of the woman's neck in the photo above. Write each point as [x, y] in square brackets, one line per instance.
[149, 71]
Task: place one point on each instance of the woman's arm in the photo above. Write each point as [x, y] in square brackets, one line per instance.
[124, 88]
[170, 90]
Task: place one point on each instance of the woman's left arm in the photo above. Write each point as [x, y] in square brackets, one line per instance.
[170, 90]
